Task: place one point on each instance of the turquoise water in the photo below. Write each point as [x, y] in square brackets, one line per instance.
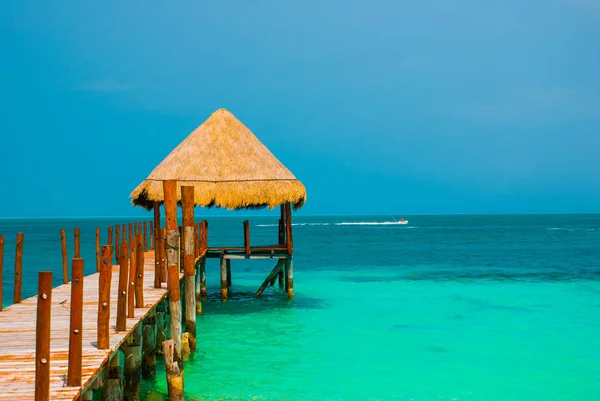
[445, 308]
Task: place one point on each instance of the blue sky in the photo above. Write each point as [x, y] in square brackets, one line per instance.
[378, 107]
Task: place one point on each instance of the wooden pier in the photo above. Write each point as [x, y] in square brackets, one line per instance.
[18, 337]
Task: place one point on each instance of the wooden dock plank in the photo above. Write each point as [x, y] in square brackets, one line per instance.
[17, 337]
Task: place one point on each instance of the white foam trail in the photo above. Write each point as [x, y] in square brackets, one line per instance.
[345, 223]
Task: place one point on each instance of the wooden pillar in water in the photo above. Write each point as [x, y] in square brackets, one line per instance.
[149, 345]
[42, 337]
[117, 246]
[133, 363]
[18, 268]
[224, 287]
[112, 387]
[189, 256]
[203, 249]
[161, 326]
[289, 263]
[172, 350]
[65, 257]
[162, 241]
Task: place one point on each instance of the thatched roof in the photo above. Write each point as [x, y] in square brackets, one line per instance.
[228, 166]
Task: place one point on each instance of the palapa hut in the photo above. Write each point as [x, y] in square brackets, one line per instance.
[230, 168]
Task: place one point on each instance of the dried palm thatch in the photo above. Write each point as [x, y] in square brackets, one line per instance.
[228, 167]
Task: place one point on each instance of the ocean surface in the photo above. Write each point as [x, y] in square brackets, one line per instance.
[449, 307]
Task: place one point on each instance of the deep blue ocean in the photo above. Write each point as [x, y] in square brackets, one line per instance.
[447, 307]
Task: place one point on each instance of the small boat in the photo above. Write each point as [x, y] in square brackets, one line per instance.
[402, 221]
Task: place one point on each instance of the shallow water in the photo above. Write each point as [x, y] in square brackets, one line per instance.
[444, 308]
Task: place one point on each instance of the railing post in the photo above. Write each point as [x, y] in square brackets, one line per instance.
[145, 243]
[76, 243]
[98, 255]
[132, 269]
[18, 268]
[110, 240]
[65, 257]
[76, 324]
[42, 337]
[117, 246]
[103, 341]
[122, 296]
[139, 272]
[247, 236]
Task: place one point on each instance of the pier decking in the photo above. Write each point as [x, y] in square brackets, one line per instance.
[18, 336]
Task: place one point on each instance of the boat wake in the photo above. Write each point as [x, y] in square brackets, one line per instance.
[346, 223]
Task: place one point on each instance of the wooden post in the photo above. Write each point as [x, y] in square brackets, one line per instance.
[77, 243]
[139, 273]
[149, 345]
[289, 274]
[288, 228]
[1, 267]
[152, 237]
[76, 324]
[65, 258]
[281, 231]
[162, 269]
[161, 325]
[124, 233]
[270, 277]
[189, 271]
[196, 239]
[174, 375]
[203, 277]
[170, 195]
[133, 363]
[156, 234]
[130, 235]
[280, 279]
[110, 239]
[104, 298]
[122, 295]
[247, 237]
[42, 337]
[18, 268]
[224, 287]
[132, 271]
[198, 293]
[117, 246]
[145, 243]
[98, 255]
[228, 262]
[112, 388]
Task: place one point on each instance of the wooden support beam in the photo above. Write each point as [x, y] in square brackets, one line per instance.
[112, 388]
[104, 298]
[280, 280]
[110, 240]
[149, 345]
[198, 293]
[130, 235]
[288, 228]
[132, 275]
[145, 233]
[65, 257]
[123, 284]
[281, 232]
[189, 270]
[18, 268]
[98, 252]
[133, 362]
[161, 326]
[203, 278]
[172, 247]
[174, 374]
[75, 324]
[228, 263]
[77, 243]
[289, 276]
[117, 246]
[247, 237]
[152, 236]
[162, 238]
[224, 287]
[139, 273]
[42, 337]
[1, 267]
[273, 273]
